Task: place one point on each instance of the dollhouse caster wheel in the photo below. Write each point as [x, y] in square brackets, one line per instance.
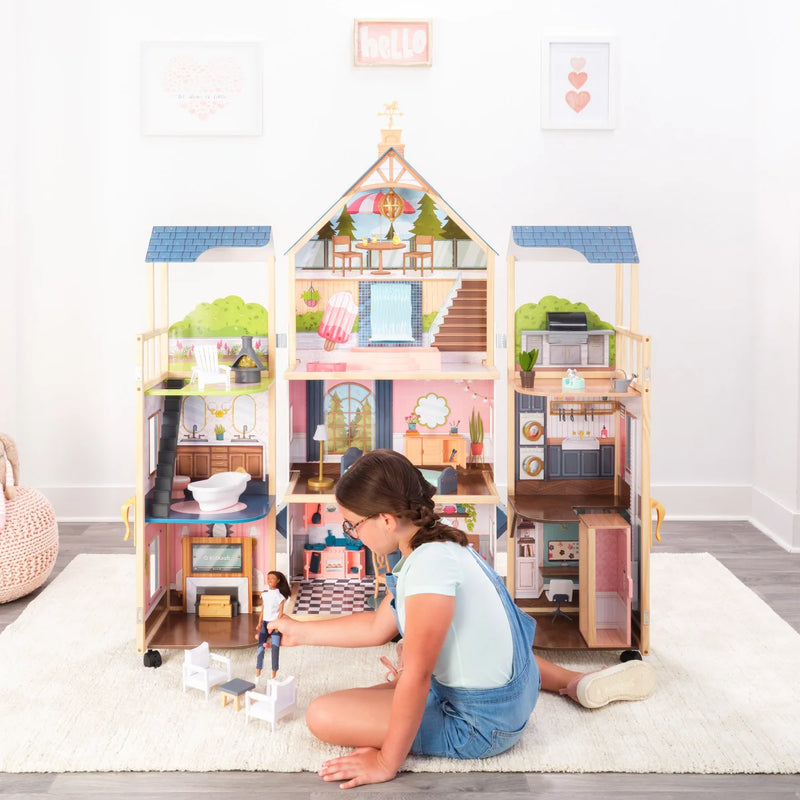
[630, 655]
[152, 658]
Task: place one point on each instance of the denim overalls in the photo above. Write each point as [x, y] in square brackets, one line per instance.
[477, 723]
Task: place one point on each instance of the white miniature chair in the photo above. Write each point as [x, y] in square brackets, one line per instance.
[208, 369]
[279, 701]
[559, 591]
[198, 672]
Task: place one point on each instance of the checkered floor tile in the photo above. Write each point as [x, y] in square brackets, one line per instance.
[343, 596]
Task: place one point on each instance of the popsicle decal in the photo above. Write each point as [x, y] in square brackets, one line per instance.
[338, 319]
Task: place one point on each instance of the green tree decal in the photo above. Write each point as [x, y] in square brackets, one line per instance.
[345, 225]
[337, 426]
[326, 231]
[325, 234]
[427, 223]
[390, 233]
[452, 230]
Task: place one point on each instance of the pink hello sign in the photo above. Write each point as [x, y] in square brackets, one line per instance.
[392, 43]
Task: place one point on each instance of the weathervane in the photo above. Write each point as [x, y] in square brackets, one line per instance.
[391, 110]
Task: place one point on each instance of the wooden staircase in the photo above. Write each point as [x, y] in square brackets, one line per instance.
[464, 326]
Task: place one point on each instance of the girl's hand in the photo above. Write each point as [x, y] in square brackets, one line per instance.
[364, 765]
[289, 628]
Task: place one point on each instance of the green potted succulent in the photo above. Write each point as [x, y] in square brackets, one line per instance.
[220, 431]
[476, 433]
[527, 360]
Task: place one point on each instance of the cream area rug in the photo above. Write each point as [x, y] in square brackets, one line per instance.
[74, 695]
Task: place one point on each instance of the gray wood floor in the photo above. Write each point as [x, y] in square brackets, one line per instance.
[771, 572]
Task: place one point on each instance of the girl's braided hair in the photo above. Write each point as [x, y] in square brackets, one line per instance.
[386, 482]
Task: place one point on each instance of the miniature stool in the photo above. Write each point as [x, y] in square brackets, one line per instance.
[558, 599]
[234, 691]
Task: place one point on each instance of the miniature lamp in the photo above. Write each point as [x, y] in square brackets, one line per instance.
[321, 436]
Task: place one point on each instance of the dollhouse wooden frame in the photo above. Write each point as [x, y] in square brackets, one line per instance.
[164, 531]
[580, 505]
[418, 361]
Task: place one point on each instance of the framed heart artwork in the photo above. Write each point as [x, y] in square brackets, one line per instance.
[201, 89]
[579, 83]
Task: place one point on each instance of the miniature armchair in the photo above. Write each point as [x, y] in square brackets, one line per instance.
[279, 701]
[342, 251]
[208, 370]
[203, 669]
[420, 255]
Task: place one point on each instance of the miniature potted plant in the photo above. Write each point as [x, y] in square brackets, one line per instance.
[527, 359]
[310, 296]
[220, 431]
[411, 420]
[476, 433]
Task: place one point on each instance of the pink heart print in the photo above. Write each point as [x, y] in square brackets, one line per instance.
[202, 87]
[577, 79]
[577, 101]
[577, 63]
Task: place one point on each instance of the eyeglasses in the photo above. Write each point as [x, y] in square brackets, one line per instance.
[351, 528]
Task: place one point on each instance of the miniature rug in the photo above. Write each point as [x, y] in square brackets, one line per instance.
[75, 697]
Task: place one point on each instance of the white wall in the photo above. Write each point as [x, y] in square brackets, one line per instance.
[708, 186]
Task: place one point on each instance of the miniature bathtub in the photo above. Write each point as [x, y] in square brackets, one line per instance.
[219, 491]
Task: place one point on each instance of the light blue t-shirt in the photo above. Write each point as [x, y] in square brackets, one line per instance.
[478, 650]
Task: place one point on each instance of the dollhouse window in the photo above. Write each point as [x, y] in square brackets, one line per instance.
[390, 305]
[350, 416]
[152, 443]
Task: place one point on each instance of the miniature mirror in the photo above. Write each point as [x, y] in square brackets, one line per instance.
[432, 410]
[193, 415]
[244, 416]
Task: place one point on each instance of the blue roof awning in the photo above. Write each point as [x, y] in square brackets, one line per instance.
[599, 244]
[188, 242]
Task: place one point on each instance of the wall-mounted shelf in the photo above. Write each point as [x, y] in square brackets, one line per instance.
[601, 408]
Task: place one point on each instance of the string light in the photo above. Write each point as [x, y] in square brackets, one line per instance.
[475, 394]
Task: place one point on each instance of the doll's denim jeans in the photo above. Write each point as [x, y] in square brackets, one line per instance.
[478, 723]
[276, 645]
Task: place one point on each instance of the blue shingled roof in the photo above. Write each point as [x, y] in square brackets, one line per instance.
[599, 244]
[187, 242]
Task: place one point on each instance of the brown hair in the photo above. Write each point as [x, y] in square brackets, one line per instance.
[283, 584]
[386, 482]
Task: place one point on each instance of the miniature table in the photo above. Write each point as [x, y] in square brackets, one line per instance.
[380, 247]
[234, 690]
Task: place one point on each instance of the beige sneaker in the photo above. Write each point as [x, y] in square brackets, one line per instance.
[633, 680]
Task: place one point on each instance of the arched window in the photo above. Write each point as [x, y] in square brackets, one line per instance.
[350, 416]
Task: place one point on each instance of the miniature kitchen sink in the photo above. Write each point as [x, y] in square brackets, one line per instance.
[581, 443]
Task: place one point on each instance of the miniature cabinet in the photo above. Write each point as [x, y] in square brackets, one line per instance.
[199, 461]
[431, 449]
[528, 573]
[606, 584]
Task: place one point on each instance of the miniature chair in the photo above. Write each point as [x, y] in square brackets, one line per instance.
[419, 255]
[347, 255]
[350, 456]
[279, 701]
[560, 591]
[198, 672]
[380, 565]
[208, 369]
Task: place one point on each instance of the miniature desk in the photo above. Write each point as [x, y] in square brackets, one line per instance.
[380, 247]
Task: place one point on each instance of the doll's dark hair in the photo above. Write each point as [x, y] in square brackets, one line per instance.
[283, 584]
[386, 482]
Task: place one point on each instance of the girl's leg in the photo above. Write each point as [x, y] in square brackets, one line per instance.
[352, 717]
[554, 678]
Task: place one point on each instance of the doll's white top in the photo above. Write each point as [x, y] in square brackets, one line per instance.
[271, 600]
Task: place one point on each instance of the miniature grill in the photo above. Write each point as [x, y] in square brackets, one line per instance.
[247, 367]
[567, 327]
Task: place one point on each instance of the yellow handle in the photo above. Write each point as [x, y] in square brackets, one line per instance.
[129, 504]
[660, 514]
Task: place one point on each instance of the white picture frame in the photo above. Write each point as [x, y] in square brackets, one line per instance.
[201, 89]
[579, 82]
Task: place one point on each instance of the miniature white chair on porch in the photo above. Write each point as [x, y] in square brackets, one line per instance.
[208, 369]
[198, 672]
[279, 701]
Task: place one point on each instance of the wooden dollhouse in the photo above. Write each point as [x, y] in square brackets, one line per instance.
[391, 346]
[198, 572]
[579, 467]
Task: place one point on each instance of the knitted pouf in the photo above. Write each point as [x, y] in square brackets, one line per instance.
[28, 544]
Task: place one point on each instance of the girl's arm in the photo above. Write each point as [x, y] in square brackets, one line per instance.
[363, 629]
[428, 618]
